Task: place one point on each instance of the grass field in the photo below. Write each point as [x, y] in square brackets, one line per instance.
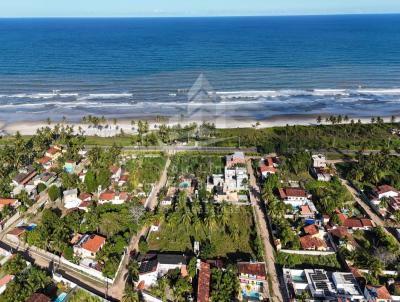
[178, 238]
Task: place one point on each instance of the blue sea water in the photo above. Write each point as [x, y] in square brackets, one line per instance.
[261, 67]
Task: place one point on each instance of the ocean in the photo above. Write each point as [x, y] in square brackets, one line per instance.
[259, 67]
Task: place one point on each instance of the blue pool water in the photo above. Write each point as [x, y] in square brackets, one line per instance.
[61, 297]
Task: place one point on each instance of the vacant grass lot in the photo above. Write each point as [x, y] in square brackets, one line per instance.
[241, 243]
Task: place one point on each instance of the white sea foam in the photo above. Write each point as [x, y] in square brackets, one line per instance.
[92, 96]
[393, 91]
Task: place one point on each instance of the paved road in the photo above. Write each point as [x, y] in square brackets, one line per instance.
[173, 149]
[260, 216]
[45, 261]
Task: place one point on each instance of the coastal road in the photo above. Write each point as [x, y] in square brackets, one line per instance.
[261, 222]
[174, 149]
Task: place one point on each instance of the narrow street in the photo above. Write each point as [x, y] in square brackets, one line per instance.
[263, 231]
[375, 218]
[117, 289]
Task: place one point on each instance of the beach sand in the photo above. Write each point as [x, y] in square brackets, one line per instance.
[29, 128]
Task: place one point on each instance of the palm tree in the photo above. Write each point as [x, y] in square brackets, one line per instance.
[187, 219]
[133, 269]
[197, 225]
[225, 213]
[130, 294]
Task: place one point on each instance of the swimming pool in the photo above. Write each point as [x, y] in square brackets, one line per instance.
[61, 297]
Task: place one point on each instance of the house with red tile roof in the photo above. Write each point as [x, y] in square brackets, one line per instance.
[383, 191]
[354, 223]
[15, 235]
[113, 197]
[11, 202]
[308, 242]
[89, 245]
[4, 281]
[267, 166]
[116, 172]
[377, 293]
[252, 278]
[46, 162]
[203, 283]
[295, 197]
[311, 229]
[38, 297]
[358, 223]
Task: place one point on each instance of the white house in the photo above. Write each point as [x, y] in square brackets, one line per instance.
[319, 161]
[113, 197]
[236, 178]
[71, 199]
[295, 197]
[154, 266]
[88, 246]
[323, 285]
[384, 191]
[115, 173]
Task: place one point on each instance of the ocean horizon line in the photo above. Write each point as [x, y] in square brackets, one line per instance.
[283, 15]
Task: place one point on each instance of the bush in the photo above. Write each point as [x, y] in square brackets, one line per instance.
[68, 253]
[54, 193]
[329, 262]
[143, 246]
[41, 187]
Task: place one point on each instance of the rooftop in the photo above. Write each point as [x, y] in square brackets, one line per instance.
[203, 286]
[93, 243]
[249, 268]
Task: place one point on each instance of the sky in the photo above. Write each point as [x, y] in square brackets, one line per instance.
[164, 8]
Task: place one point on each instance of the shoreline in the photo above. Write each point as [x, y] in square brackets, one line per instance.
[109, 129]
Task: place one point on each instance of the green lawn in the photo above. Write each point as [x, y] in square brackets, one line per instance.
[178, 238]
[329, 262]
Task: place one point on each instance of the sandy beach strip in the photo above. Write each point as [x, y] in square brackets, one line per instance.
[30, 127]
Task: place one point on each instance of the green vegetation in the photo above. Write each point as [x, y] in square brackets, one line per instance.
[22, 151]
[27, 280]
[198, 165]
[329, 262]
[328, 196]
[99, 173]
[116, 222]
[54, 192]
[372, 170]
[350, 136]
[174, 285]
[222, 230]
[81, 295]
[225, 285]
[145, 171]
[376, 250]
